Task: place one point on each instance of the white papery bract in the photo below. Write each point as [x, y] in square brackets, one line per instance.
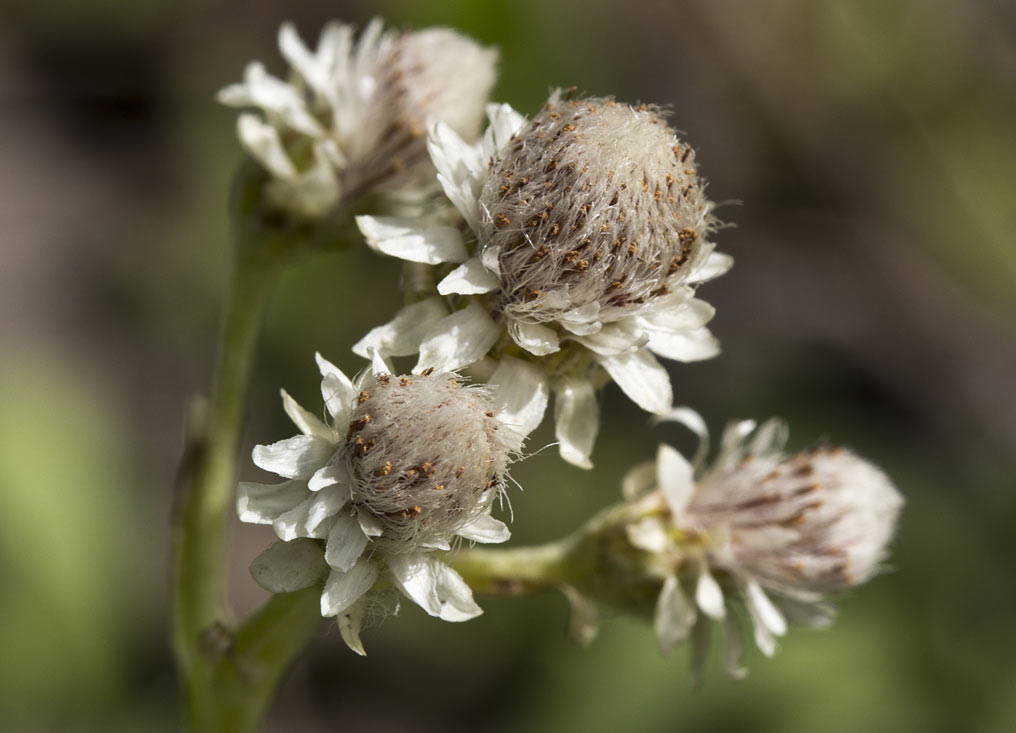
[591, 231]
[403, 467]
[776, 532]
[353, 114]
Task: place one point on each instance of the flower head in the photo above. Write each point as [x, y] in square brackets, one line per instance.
[591, 229]
[353, 116]
[592, 210]
[777, 532]
[405, 465]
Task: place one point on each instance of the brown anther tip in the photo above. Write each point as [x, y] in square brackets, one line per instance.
[439, 487]
[363, 397]
[359, 424]
[501, 221]
[428, 371]
[686, 236]
[404, 381]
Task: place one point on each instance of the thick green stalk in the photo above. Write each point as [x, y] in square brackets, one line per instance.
[242, 683]
[597, 561]
[206, 493]
[515, 570]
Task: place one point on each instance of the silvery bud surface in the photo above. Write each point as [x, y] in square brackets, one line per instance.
[595, 207]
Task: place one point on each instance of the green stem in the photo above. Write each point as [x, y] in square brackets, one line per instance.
[242, 683]
[206, 496]
[516, 570]
[597, 561]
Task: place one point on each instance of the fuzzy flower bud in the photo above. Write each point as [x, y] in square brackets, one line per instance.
[816, 522]
[405, 466]
[591, 228]
[353, 116]
[427, 455]
[592, 205]
[775, 532]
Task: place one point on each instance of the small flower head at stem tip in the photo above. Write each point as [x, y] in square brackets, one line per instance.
[779, 532]
[352, 117]
[405, 466]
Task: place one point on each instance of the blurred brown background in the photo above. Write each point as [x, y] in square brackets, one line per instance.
[869, 148]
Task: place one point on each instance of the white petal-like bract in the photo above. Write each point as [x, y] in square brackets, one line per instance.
[400, 237]
[458, 340]
[642, 378]
[576, 418]
[523, 390]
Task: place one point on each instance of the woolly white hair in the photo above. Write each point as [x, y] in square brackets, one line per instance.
[427, 455]
[593, 204]
[434, 73]
[352, 116]
[818, 521]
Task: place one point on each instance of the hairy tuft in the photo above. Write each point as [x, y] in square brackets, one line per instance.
[428, 455]
[593, 204]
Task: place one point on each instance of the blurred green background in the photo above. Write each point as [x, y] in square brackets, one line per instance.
[866, 154]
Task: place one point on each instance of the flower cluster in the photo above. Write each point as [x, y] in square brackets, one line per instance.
[776, 532]
[352, 117]
[586, 231]
[404, 466]
[564, 254]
